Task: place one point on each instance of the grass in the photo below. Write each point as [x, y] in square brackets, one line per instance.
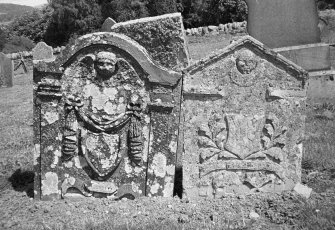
[318, 213]
[16, 125]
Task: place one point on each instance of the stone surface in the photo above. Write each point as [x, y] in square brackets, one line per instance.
[243, 111]
[106, 122]
[6, 71]
[42, 52]
[166, 44]
[303, 190]
[283, 23]
[107, 25]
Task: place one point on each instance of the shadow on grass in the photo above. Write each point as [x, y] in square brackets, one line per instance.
[23, 181]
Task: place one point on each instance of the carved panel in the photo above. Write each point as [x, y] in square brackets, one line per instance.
[92, 138]
[248, 137]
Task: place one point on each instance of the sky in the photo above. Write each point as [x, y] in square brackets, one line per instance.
[25, 2]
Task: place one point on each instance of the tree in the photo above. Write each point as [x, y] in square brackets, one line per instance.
[17, 44]
[159, 7]
[32, 25]
[72, 18]
[124, 10]
[3, 39]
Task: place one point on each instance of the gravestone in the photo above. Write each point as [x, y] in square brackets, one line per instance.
[243, 113]
[283, 23]
[42, 52]
[6, 71]
[167, 45]
[107, 25]
[106, 113]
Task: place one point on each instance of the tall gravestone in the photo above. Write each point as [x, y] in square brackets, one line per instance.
[106, 114]
[167, 45]
[283, 23]
[243, 112]
[6, 71]
[42, 52]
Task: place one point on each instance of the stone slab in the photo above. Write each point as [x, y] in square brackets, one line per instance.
[42, 52]
[167, 45]
[135, 102]
[6, 71]
[243, 122]
[283, 23]
[107, 25]
[311, 57]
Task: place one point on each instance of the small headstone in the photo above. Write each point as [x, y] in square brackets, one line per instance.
[107, 25]
[221, 27]
[205, 30]
[283, 23]
[303, 190]
[199, 31]
[6, 71]
[188, 32]
[42, 52]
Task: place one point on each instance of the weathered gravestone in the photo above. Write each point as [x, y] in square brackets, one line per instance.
[106, 115]
[107, 25]
[243, 122]
[6, 71]
[167, 45]
[42, 52]
[283, 23]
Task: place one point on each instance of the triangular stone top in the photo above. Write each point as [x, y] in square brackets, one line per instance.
[255, 46]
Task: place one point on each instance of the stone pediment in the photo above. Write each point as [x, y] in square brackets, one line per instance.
[246, 52]
[83, 45]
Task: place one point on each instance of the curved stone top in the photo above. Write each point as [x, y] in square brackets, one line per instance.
[156, 73]
[257, 45]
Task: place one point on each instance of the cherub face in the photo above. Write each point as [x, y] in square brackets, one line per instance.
[105, 64]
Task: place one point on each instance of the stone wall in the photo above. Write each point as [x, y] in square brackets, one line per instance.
[229, 28]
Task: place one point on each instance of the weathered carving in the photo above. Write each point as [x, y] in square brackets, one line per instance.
[247, 139]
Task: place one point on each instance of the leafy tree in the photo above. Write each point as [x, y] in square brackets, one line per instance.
[325, 4]
[159, 7]
[3, 39]
[32, 25]
[72, 18]
[18, 44]
[124, 10]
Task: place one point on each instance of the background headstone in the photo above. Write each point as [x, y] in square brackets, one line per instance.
[167, 45]
[283, 23]
[107, 25]
[6, 71]
[42, 52]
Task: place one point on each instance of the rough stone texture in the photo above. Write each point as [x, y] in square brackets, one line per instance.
[42, 51]
[164, 38]
[303, 190]
[107, 25]
[205, 30]
[283, 23]
[94, 118]
[113, 153]
[6, 71]
[243, 111]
